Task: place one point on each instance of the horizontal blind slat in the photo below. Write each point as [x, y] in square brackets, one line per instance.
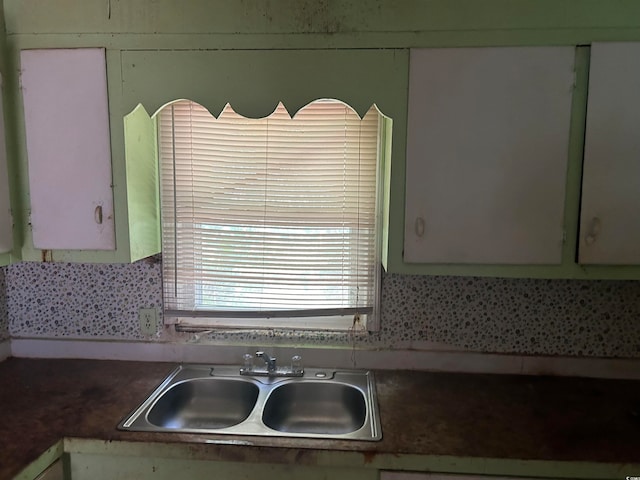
[274, 213]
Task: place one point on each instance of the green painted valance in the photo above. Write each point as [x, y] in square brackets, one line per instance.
[254, 82]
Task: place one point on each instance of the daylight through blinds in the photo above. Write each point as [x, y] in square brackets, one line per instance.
[267, 216]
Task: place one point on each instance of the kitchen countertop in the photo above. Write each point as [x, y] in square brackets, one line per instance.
[459, 415]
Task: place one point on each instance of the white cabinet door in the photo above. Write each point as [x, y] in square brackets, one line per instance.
[68, 148]
[487, 150]
[6, 220]
[610, 209]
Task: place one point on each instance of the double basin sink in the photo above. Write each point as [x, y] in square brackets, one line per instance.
[338, 404]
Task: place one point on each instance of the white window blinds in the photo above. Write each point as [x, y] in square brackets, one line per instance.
[271, 217]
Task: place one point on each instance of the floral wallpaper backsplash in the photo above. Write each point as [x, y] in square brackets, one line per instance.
[4, 316]
[497, 315]
[81, 300]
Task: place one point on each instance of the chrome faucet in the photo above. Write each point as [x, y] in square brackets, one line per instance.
[270, 362]
[270, 368]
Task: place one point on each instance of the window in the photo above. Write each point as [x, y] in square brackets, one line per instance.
[270, 222]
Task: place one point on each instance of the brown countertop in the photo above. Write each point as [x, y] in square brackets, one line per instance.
[462, 415]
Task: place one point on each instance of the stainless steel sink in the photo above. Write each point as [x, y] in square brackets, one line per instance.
[337, 404]
[204, 403]
[315, 407]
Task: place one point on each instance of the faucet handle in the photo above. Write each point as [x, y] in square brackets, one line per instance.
[247, 359]
[296, 364]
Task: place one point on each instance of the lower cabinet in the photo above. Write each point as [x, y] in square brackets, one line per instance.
[98, 460]
[390, 475]
[53, 472]
[105, 467]
[214, 457]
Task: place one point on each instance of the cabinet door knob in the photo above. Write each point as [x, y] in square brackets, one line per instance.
[419, 226]
[594, 229]
[97, 214]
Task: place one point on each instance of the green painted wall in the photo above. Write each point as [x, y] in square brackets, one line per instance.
[147, 39]
[392, 22]
[7, 92]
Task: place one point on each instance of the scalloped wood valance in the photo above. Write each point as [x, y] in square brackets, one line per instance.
[255, 81]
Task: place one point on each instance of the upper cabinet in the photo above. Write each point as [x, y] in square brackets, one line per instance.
[610, 213]
[523, 162]
[487, 150]
[89, 199]
[66, 116]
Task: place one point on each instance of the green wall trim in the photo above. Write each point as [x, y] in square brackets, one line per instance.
[313, 16]
[7, 258]
[212, 41]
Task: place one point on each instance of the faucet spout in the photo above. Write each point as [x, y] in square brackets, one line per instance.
[269, 361]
